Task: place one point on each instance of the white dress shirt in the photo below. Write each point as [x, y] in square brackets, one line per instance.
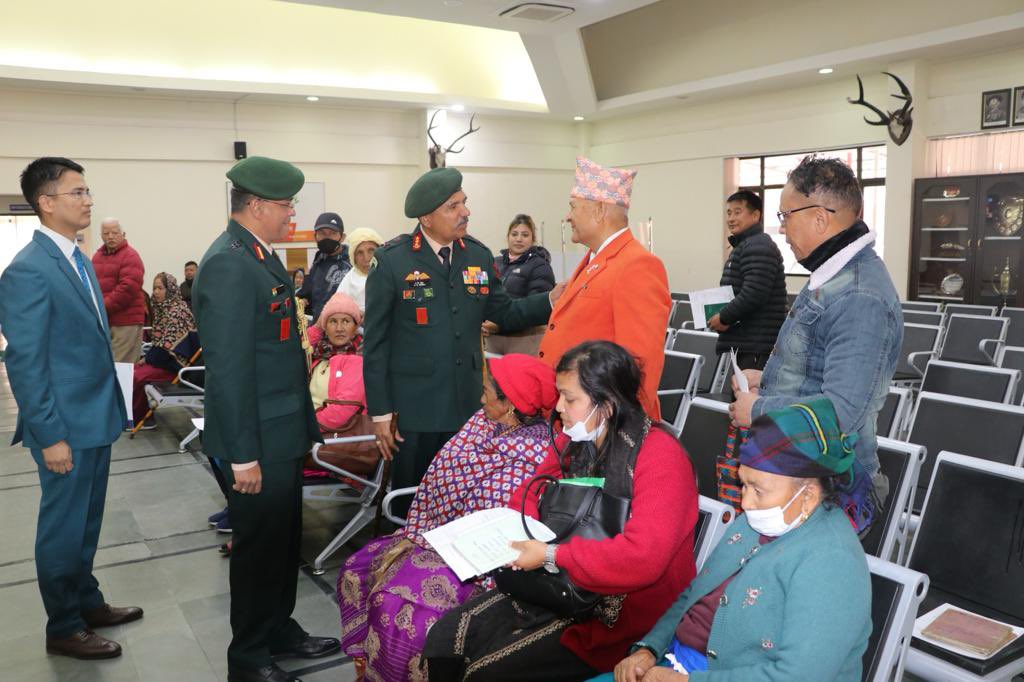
[606, 242]
[67, 247]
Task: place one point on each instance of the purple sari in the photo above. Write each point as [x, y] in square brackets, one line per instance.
[393, 589]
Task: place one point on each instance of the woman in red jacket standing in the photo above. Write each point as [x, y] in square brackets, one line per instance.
[605, 435]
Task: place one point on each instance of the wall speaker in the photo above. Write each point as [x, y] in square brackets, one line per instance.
[240, 152]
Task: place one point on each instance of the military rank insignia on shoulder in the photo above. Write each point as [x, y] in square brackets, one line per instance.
[235, 244]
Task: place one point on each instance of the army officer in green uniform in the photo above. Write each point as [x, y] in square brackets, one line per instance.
[425, 299]
[259, 416]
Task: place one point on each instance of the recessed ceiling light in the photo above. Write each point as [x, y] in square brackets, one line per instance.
[578, 118]
[458, 107]
[312, 98]
[826, 70]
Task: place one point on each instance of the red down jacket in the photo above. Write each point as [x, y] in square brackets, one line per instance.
[120, 273]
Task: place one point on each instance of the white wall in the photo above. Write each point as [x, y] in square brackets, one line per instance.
[158, 164]
[680, 152]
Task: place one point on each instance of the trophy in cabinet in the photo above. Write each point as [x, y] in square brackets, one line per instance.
[1002, 282]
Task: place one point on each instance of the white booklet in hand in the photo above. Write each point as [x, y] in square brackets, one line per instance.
[479, 542]
[706, 303]
[741, 378]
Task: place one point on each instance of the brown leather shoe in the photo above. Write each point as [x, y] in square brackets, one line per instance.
[84, 644]
[108, 615]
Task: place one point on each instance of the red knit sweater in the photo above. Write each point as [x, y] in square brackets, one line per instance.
[120, 276]
[651, 561]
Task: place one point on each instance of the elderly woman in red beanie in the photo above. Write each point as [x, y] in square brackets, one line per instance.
[392, 591]
[337, 367]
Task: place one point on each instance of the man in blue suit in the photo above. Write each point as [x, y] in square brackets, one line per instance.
[70, 407]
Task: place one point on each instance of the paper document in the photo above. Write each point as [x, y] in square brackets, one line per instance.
[741, 378]
[924, 622]
[125, 374]
[479, 542]
[706, 303]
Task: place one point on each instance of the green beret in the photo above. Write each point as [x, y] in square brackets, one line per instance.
[431, 190]
[267, 178]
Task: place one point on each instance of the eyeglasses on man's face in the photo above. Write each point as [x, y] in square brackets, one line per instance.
[286, 204]
[76, 194]
[782, 215]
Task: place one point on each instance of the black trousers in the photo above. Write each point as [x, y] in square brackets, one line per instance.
[266, 533]
[412, 460]
[489, 639]
[752, 360]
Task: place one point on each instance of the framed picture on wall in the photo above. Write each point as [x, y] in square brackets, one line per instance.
[1018, 105]
[995, 108]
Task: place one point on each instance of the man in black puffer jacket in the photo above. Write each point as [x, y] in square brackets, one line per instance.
[750, 322]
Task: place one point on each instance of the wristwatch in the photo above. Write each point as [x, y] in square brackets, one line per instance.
[549, 559]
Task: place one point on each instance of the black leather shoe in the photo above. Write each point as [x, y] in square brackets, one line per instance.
[271, 673]
[308, 647]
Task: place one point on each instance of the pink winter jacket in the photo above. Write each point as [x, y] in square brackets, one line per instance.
[345, 383]
[120, 274]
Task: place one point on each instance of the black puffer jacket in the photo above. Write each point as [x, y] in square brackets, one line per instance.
[530, 273]
[755, 273]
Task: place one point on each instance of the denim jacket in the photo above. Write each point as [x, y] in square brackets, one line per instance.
[840, 340]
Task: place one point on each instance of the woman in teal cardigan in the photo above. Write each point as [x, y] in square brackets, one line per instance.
[786, 596]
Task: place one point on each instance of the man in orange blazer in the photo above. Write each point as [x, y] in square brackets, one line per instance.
[619, 292]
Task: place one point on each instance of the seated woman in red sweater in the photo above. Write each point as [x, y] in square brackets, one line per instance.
[605, 435]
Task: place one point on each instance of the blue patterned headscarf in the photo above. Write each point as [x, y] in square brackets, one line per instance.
[805, 440]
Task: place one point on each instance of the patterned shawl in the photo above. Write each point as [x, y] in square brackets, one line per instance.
[479, 468]
[172, 318]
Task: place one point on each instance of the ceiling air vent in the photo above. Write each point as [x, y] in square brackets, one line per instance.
[538, 11]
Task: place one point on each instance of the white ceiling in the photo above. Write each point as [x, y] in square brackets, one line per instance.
[466, 52]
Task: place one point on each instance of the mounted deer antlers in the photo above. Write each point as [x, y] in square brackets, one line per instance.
[898, 122]
[437, 155]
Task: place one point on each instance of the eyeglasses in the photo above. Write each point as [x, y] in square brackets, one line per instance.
[286, 204]
[782, 215]
[78, 194]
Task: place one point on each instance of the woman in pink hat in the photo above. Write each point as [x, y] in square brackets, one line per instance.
[337, 366]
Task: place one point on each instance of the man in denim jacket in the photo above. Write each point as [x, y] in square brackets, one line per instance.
[843, 334]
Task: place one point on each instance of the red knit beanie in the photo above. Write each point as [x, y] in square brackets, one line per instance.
[527, 382]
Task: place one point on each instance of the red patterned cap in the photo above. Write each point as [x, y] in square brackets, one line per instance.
[607, 185]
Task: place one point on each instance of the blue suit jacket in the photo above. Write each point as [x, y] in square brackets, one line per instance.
[58, 355]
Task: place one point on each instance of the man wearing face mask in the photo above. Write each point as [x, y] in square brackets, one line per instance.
[329, 266]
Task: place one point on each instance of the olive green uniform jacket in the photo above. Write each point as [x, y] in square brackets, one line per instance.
[257, 405]
[422, 355]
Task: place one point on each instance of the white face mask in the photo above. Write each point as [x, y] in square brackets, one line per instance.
[771, 521]
[578, 431]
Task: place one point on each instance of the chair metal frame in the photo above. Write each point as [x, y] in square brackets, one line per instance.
[1001, 359]
[894, 539]
[720, 517]
[1013, 376]
[922, 306]
[720, 363]
[899, 419]
[923, 664]
[688, 391]
[893, 649]
[1000, 341]
[192, 402]
[913, 355]
[971, 309]
[345, 493]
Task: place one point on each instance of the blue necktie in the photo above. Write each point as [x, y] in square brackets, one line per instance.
[80, 264]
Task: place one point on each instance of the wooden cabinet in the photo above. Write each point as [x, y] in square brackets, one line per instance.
[968, 239]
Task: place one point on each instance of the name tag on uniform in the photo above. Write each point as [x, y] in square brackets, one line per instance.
[286, 328]
[421, 316]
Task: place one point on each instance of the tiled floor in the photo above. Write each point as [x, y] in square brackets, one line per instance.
[156, 551]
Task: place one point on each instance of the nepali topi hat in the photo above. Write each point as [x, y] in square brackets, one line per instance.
[606, 185]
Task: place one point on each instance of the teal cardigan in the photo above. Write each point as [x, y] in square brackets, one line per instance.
[799, 609]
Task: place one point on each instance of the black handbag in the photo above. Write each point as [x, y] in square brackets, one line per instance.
[569, 510]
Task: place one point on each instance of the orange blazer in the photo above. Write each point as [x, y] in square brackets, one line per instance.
[621, 296]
